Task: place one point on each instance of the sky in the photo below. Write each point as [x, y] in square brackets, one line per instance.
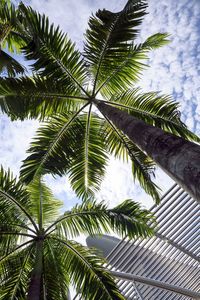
[173, 69]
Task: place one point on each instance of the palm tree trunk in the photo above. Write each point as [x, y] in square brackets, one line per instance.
[34, 290]
[179, 158]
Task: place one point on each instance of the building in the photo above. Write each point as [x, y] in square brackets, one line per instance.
[171, 259]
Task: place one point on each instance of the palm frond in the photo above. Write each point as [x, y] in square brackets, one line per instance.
[14, 274]
[67, 145]
[9, 65]
[109, 38]
[129, 69]
[155, 41]
[127, 219]
[36, 97]
[54, 268]
[15, 202]
[84, 267]
[54, 147]
[142, 166]
[154, 109]
[88, 168]
[44, 204]
[53, 53]
[10, 35]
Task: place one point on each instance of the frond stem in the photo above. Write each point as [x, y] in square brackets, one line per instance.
[21, 208]
[16, 233]
[17, 248]
[87, 145]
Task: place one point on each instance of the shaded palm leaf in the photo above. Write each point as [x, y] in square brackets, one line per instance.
[9, 65]
[79, 260]
[91, 217]
[10, 39]
[35, 97]
[15, 202]
[55, 268]
[15, 272]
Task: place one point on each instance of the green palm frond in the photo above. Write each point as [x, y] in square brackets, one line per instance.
[127, 219]
[55, 268]
[54, 147]
[53, 53]
[10, 36]
[35, 97]
[63, 146]
[88, 168]
[129, 69]
[109, 38]
[142, 165]
[85, 267]
[14, 274]
[155, 109]
[10, 65]
[15, 202]
[10, 39]
[44, 207]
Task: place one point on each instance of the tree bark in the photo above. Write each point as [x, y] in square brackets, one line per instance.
[179, 158]
[36, 276]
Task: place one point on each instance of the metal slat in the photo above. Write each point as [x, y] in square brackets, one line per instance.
[179, 238]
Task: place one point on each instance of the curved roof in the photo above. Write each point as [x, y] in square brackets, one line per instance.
[172, 256]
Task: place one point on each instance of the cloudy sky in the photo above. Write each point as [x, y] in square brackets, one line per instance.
[174, 69]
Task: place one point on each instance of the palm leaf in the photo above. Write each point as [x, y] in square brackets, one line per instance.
[53, 53]
[9, 65]
[10, 35]
[36, 97]
[129, 69]
[142, 166]
[15, 274]
[14, 200]
[84, 267]
[109, 38]
[54, 268]
[54, 147]
[127, 219]
[45, 207]
[88, 168]
[64, 146]
[154, 109]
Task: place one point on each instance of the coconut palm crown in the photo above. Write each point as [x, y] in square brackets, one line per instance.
[39, 259]
[66, 87]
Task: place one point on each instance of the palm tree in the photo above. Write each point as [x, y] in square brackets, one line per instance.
[10, 39]
[38, 259]
[67, 88]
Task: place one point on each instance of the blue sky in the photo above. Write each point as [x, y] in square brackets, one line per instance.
[174, 69]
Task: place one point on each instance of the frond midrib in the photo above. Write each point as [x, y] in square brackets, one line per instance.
[102, 55]
[20, 206]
